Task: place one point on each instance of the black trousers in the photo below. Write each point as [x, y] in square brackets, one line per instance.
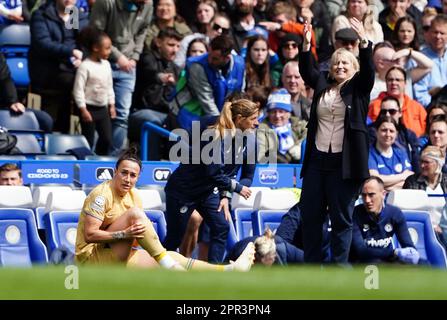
[101, 123]
[325, 192]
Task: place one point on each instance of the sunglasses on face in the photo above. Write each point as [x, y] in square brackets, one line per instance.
[348, 42]
[425, 28]
[292, 45]
[392, 112]
[217, 27]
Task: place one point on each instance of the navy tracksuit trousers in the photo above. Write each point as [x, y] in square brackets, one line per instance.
[177, 216]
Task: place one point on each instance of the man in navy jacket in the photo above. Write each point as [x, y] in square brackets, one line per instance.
[374, 225]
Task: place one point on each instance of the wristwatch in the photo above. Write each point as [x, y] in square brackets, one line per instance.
[364, 42]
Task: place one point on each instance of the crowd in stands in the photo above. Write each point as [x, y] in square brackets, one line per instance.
[172, 62]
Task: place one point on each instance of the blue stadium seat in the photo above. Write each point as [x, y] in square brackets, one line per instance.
[18, 66]
[28, 143]
[60, 230]
[101, 158]
[15, 35]
[424, 238]
[266, 218]
[15, 41]
[232, 237]
[20, 245]
[24, 121]
[158, 221]
[56, 157]
[244, 226]
[15, 158]
[60, 143]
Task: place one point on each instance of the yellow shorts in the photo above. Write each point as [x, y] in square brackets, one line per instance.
[105, 255]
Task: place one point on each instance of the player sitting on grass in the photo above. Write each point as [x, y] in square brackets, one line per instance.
[112, 218]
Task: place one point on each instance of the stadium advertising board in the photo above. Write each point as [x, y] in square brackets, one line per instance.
[47, 172]
[156, 172]
[94, 172]
[274, 176]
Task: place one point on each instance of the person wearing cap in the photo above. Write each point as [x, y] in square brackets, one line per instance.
[288, 51]
[344, 38]
[374, 226]
[433, 181]
[336, 157]
[280, 132]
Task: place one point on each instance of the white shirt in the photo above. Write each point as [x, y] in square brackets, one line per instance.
[94, 84]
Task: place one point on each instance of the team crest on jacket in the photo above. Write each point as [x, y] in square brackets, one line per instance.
[216, 190]
[365, 227]
[183, 209]
[388, 227]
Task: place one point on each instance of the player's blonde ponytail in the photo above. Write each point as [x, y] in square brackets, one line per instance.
[230, 110]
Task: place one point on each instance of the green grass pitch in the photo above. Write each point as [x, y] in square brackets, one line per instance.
[291, 283]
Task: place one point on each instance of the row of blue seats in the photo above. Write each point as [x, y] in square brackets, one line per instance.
[20, 244]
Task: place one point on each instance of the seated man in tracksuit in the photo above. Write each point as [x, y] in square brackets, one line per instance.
[283, 247]
[374, 225]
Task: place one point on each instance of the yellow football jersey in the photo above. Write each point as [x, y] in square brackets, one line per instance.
[104, 204]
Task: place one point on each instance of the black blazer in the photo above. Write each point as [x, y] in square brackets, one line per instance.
[355, 94]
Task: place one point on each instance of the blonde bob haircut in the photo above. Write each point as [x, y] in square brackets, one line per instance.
[265, 245]
[342, 52]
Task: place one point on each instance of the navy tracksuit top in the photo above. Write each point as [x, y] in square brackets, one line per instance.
[190, 182]
[372, 235]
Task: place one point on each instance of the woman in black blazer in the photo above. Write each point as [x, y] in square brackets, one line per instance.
[336, 157]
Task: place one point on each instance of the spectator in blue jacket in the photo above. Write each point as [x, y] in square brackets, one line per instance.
[375, 224]
[210, 79]
[54, 57]
[208, 186]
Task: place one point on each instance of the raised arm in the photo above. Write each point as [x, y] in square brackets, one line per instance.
[308, 69]
[424, 64]
[367, 73]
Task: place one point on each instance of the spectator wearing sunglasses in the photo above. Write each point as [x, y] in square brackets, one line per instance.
[406, 139]
[220, 25]
[288, 51]
[413, 113]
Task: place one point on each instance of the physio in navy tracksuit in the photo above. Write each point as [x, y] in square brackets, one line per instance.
[287, 239]
[208, 187]
[375, 224]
